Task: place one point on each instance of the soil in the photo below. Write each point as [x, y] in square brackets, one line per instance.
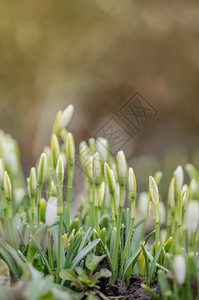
[120, 290]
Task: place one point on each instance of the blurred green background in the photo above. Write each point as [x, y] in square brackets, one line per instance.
[96, 54]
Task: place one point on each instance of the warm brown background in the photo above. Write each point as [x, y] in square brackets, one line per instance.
[95, 54]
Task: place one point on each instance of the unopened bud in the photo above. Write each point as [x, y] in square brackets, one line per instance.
[33, 181]
[179, 176]
[121, 168]
[101, 194]
[102, 147]
[51, 211]
[179, 267]
[70, 147]
[97, 168]
[132, 183]
[109, 178]
[66, 116]
[42, 168]
[60, 169]
[7, 185]
[55, 149]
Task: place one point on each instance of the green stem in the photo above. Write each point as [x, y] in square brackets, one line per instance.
[117, 243]
[69, 193]
[126, 245]
[157, 233]
[49, 249]
[32, 210]
[38, 205]
[11, 224]
[59, 247]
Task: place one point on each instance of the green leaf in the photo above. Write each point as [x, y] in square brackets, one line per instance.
[4, 273]
[71, 251]
[83, 253]
[85, 238]
[164, 284]
[155, 259]
[132, 260]
[92, 261]
[146, 261]
[67, 274]
[103, 273]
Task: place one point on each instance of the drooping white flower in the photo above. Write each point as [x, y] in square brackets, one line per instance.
[102, 147]
[179, 177]
[143, 203]
[192, 216]
[51, 211]
[179, 267]
[70, 147]
[66, 116]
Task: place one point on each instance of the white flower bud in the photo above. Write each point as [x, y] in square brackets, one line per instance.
[64, 159]
[193, 190]
[91, 143]
[101, 194]
[33, 181]
[70, 147]
[1, 170]
[7, 185]
[132, 183]
[60, 169]
[42, 167]
[143, 202]
[171, 193]
[162, 213]
[179, 177]
[102, 147]
[179, 267]
[192, 216]
[51, 211]
[97, 167]
[55, 149]
[154, 193]
[66, 116]
[51, 189]
[121, 164]
[90, 168]
[184, 194]
[19, 194]
[83, 153]
[109, 178]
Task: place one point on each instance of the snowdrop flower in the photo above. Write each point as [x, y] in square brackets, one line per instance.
[179, 177]
[60, 169]
[97, 167]
[102, 147]
[70, 147]
[179, 267]
[51, 211]
[66, 116]
[192, 216]
[171, 193]
[55, 149]
[90, 168]
[1, 170]
[7, 185]
[33, 181]
[143, 202]
[132, 183]
[42, 167]
[193, 190]
[109, 178]
[121, 168]
[83, 153]
[162, 213]
[91, 143]
[101, 194]
[19, 194]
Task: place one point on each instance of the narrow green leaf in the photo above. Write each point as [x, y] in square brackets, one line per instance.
[153, 264]
[71, 251]
[85, 238]
[83, 253]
